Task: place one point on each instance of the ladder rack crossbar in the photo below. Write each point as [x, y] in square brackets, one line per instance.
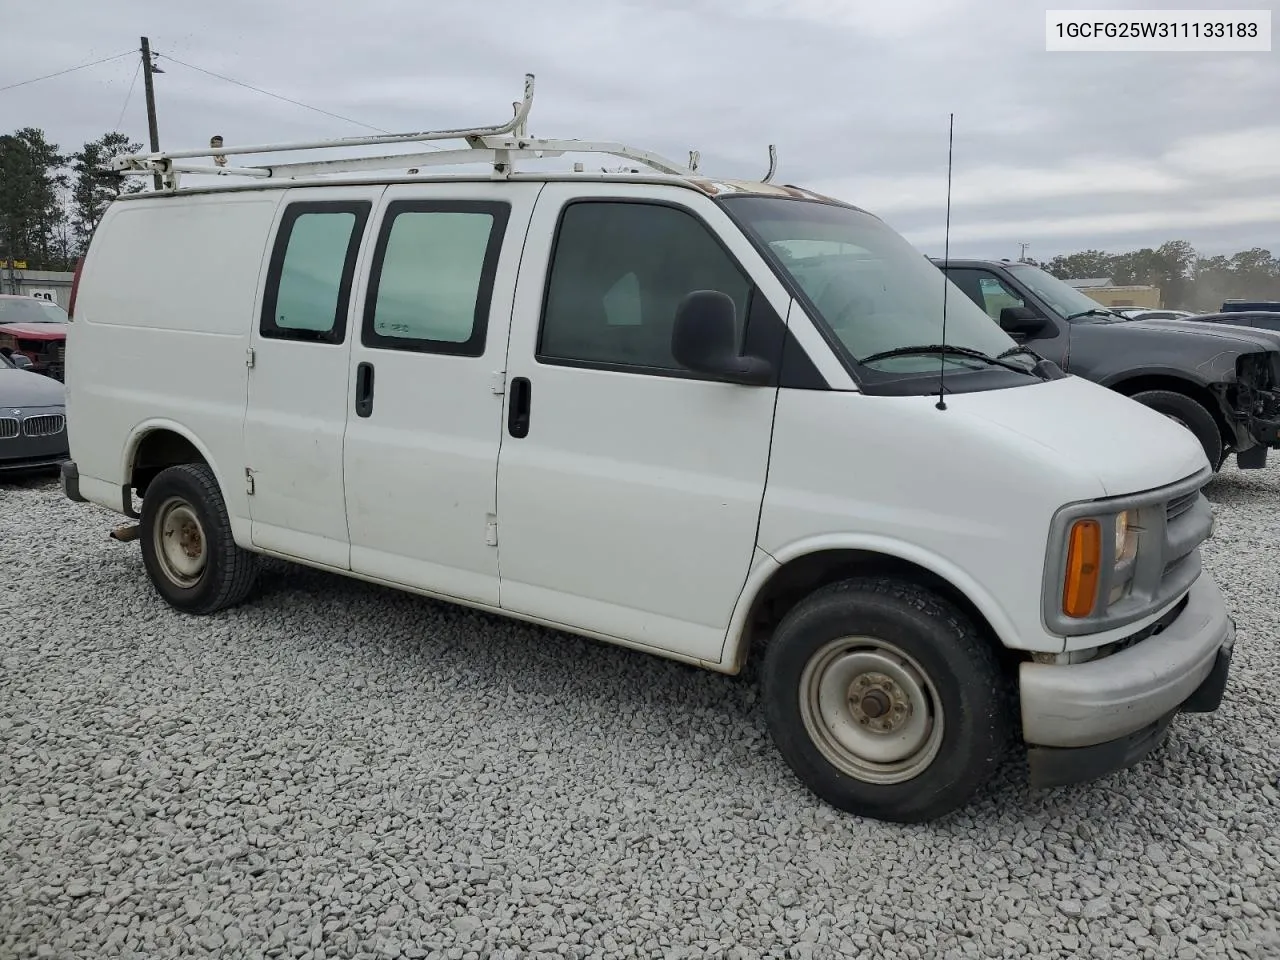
[512, 125]
[496, 144]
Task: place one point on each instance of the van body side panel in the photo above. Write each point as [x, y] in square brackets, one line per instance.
[432, 321]
[162, 324]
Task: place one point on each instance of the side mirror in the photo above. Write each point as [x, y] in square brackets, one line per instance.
[702, 339]
[1021, 321]
[21, 360]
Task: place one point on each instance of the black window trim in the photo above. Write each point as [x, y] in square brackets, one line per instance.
[294, 210]
[796, 369]
[473, 346]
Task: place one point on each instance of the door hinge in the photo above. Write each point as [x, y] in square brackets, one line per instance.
[249, 357]
[248, 481]
[491, 533]
[499, 381]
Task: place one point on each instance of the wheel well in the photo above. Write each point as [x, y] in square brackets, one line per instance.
[1194, 391]
[800, 577]
[157, 450]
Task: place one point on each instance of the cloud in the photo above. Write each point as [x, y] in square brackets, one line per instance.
[1062, 150]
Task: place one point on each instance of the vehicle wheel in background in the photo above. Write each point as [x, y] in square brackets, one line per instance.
[1191, 414]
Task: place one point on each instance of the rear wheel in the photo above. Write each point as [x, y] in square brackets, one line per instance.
[187, 547]
[886, 701]
[1180, 408]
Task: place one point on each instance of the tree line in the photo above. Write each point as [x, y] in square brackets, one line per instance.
[1187, 281]
[50, 201]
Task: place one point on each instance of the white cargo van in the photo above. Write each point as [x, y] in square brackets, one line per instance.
[665, 411]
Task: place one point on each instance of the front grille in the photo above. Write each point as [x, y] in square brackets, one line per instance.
[8, 428]
[1180, 505]
[43, 426]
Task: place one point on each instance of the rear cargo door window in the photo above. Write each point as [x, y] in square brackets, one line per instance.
[312, 266]
[432, 277]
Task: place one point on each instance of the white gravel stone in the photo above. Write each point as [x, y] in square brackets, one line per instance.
[336, 770]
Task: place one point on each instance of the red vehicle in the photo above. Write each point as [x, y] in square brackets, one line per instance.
[37, 329]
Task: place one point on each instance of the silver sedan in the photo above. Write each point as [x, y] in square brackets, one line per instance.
[33, 422]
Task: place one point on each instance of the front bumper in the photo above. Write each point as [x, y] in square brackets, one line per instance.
[33, 453]
[1117, 708]
[1263, 434]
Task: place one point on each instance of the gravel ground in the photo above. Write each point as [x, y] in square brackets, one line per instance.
[339, 770]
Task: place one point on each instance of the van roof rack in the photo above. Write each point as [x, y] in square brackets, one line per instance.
[499, 145]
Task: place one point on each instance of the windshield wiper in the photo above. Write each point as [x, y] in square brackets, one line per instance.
[1015, 351]
[1096, 312]
[947, 348]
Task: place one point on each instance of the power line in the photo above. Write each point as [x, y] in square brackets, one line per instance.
[296, 103]
[128, 96]
[47, 76]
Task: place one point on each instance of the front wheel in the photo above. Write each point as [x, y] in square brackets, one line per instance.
[885, 700]
[187, 546]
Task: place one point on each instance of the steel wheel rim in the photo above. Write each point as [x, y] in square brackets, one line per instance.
[871, 710]
[180, 543]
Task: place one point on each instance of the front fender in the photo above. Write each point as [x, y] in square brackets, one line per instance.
[767, 564]
[1193, 376]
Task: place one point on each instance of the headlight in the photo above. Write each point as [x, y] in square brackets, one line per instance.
[1084, 561]
[1126, 536]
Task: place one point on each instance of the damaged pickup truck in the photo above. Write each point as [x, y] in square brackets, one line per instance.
[1220, 382]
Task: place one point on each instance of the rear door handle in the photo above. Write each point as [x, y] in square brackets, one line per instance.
[364, 389]
[518, 411]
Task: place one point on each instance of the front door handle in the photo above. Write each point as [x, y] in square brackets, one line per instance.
[364, 389]
[518, 411]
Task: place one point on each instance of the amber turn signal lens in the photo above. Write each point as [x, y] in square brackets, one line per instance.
[1084, 562]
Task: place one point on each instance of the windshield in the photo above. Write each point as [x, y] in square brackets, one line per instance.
[1058, 294]
[30, 310]
[872, 289]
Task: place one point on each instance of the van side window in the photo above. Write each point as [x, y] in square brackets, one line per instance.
[432, 277]
[310, 275]
[618, 272]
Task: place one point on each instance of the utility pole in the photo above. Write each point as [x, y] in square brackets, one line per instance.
[1022, 257]
[152, 128]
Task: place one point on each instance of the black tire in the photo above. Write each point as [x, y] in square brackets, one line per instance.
[188, 495]
[977, 705]
[1192, 415]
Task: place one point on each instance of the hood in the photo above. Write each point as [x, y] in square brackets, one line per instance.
[35, 331]
[1128, 447]
[1222, 333]
[22, 388]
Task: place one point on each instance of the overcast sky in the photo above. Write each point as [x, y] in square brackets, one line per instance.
[1063, 150]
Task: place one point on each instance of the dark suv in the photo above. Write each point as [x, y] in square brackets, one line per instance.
[1221, 382]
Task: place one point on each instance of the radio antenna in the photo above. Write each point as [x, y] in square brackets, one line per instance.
[946, 261]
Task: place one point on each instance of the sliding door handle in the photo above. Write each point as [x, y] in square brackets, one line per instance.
[364, 389]
[518, 411]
